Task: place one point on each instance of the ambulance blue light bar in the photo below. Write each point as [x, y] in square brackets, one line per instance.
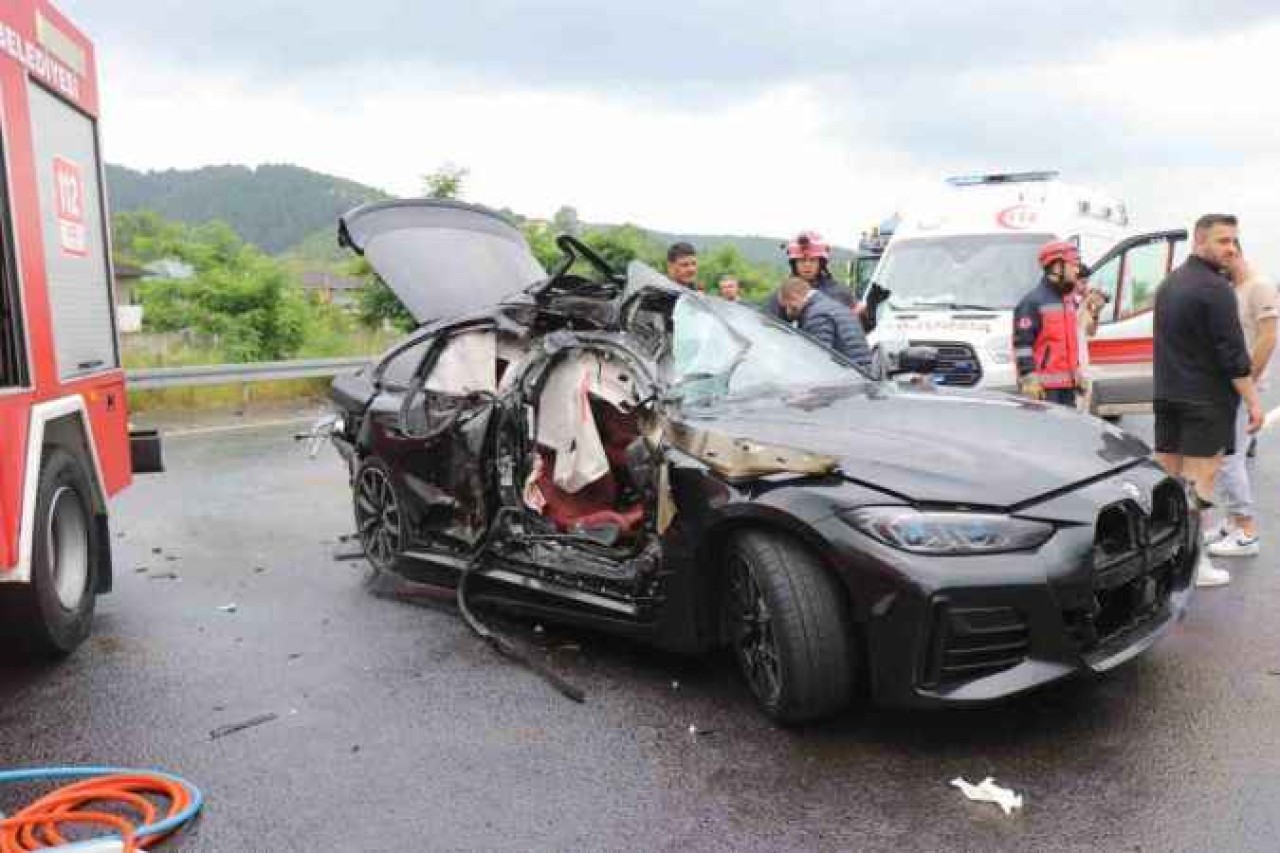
[1001, 178]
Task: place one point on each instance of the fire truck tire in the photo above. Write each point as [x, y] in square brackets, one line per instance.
[52, 614]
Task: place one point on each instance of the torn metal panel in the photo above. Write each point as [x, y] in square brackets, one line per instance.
[734, 457]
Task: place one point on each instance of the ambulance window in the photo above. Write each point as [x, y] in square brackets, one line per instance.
[65, 145]
[13, 361]
[1106, 278]
[1145, 267]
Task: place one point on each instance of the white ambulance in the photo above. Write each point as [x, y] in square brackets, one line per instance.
[959, 264]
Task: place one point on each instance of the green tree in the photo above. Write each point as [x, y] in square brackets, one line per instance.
[542, 242]
[445, 182]
[623, 244]
[376, 304]
[757, 280]
[238, 295]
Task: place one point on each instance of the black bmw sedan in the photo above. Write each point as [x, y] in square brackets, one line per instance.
[605, 448]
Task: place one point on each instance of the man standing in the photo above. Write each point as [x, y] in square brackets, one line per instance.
[682, 265]
[1046, 335]
[1089, 305]
[809, 257]
[1237, 535]
[1202, 369]
[825, 320]
[729, 288]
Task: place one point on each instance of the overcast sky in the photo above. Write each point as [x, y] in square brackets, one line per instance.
[710, 115]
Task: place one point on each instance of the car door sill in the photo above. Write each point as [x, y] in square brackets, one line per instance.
[535, 584]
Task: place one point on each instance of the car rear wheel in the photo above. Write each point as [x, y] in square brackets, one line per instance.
[50, 616]
[379, 515]
[789, 627]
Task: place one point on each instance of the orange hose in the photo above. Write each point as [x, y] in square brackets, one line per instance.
[39, 825]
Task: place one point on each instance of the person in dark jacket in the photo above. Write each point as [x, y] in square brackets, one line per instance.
[1046, 335]
[1202, 368]
[825, 320]
[809, 257]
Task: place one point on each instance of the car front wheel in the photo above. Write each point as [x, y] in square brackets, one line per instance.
[789, 626]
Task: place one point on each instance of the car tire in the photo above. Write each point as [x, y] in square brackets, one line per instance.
[379, 515]
[789, 626]
[51, 616]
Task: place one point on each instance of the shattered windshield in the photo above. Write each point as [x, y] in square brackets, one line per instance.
[963, 272]
[729, 349]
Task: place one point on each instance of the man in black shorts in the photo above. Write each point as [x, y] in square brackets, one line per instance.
[1202, 368]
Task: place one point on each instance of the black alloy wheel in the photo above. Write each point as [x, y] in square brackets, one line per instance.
[789, 624]
[379, 521]
[752, 633]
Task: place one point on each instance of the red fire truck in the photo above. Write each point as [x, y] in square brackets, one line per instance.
[64, 437]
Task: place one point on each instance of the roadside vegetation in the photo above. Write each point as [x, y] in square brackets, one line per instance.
[210, 297]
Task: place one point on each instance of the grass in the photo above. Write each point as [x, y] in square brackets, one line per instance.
[176, 351]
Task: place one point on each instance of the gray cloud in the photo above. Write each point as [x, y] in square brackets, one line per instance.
[657, 48]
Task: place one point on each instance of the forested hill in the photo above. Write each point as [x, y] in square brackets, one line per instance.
[282, 207]
[274, 207]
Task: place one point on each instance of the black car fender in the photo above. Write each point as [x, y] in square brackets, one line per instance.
[802, 509]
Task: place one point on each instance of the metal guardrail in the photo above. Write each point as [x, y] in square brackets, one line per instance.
[147, 378]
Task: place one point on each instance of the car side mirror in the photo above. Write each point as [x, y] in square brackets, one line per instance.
[915, 359]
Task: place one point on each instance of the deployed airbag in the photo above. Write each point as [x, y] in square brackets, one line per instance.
[565, 421]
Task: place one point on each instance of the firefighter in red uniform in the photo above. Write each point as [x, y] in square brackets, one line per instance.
[1046, 342]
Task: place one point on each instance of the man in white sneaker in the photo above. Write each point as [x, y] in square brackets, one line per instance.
[1237, 535]
[1202, 369]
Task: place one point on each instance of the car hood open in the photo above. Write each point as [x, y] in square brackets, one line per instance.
[441, 258]
[935, 447]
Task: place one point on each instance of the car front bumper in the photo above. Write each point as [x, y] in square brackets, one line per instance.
[957, 631]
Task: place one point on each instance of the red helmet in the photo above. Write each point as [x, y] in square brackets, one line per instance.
[1058, 250]
[808, 244]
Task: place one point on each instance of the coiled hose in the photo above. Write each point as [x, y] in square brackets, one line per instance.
[105, 797]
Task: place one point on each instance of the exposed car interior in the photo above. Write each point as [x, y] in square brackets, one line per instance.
[587, 472]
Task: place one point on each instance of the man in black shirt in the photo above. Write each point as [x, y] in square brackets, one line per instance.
[1202, 368]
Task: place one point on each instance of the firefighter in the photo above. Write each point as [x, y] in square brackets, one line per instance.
[809, 256]
[1046, 339]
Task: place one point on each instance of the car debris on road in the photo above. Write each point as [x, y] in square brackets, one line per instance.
[987, 791]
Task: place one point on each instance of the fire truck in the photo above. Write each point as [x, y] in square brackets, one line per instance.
[65, 446]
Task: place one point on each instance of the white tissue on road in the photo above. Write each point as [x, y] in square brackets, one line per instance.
[987, 791]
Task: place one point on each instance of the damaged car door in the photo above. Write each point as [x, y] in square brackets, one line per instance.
[445, 421]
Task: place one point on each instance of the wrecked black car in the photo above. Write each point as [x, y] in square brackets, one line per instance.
[607, 449]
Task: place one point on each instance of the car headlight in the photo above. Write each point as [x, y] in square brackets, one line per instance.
[949, 532]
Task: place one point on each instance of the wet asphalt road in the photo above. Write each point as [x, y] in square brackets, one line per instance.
[397, 730]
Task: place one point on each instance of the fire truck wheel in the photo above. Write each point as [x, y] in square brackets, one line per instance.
[53, 612]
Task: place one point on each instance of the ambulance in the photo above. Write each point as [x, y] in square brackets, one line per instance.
[959, 263]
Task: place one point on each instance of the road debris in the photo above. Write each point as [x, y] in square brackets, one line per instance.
[141, 570]
[232, 728]
[987, 791]
[163, 576]
[228, 608]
